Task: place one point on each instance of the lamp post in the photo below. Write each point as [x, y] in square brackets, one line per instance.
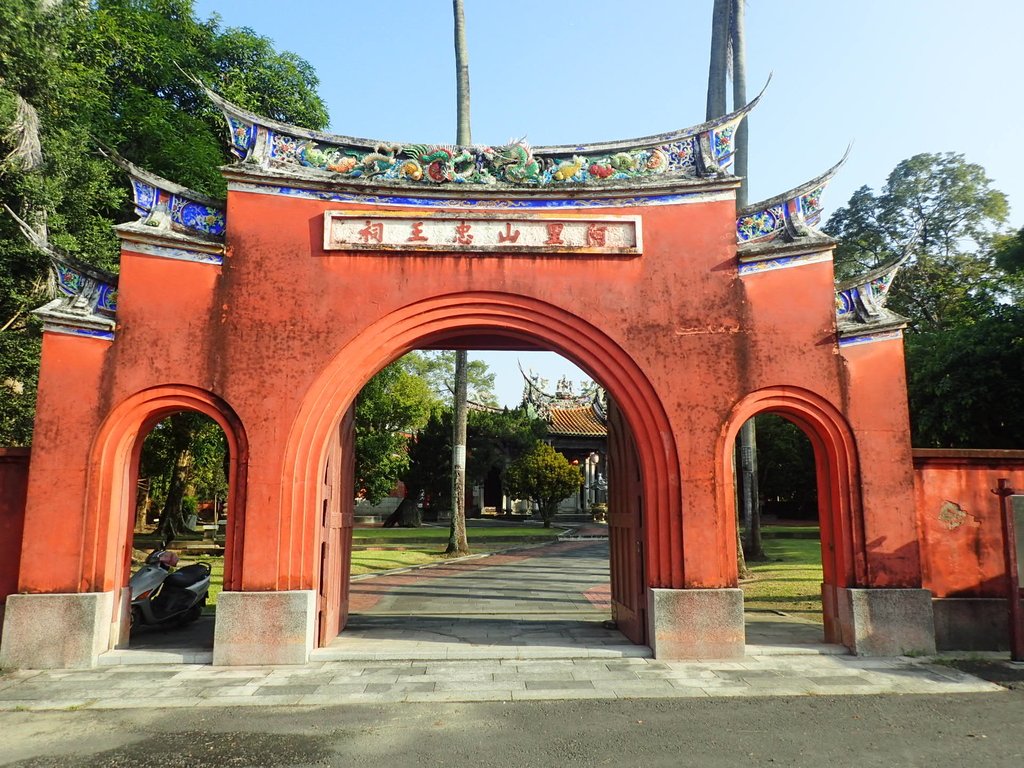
[590, 480]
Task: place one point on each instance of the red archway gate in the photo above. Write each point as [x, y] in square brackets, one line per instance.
[334, 256]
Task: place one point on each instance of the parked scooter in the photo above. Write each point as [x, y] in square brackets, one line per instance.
[163, 596]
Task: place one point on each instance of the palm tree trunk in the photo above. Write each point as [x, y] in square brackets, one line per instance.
[739, 96]
[463, 133]
[457, 543]
[719, 59]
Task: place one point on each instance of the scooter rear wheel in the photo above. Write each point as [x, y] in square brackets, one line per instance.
[192, 613]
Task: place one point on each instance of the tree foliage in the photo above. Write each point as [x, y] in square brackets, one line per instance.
[785, 467]
[183, 461]
[966, 384]
[437, 368]
[408, 398]
[393, 404]
[107, 70]
[544, 476]
[961, 291]
[494, 439]
[1009, 251]
[947, 211]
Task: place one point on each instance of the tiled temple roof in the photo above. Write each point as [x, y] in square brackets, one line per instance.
[579, 421]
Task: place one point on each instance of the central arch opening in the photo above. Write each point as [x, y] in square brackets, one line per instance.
[630, 474]
[552, 492]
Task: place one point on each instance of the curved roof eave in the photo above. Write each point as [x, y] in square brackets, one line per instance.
[158, 181]
[560, 150]
[803, 189]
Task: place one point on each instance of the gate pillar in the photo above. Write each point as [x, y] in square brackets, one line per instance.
[886, 622]
[696, 623]
[261, 628]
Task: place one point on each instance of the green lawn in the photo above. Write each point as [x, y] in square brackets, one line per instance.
[790, 580]
[375, 561]
[774, 530]
[474, 533]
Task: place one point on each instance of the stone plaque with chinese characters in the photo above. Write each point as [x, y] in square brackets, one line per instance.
[497, 233]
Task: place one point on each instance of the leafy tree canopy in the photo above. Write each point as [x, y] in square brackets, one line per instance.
[545, 476]
[437, 368]
[393, 404]
[966, 384]
[71, 71]
[1009, 253]
[785, 466]
[961, 291]
[494, 438]
[947, 211]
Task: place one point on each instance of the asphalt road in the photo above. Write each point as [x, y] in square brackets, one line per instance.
[863, 731]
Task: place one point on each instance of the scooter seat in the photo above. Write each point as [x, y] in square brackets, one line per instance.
[187, 576]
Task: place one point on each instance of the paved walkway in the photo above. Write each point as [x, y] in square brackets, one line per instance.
[525, 625]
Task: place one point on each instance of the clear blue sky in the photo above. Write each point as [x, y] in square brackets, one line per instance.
[897, 77]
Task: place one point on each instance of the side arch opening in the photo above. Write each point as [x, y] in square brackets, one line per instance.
[117, 505]
[839, 519]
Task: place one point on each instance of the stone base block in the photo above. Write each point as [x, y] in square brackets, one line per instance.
[55, 631]
[121, 624]
[971, 624]
[886, 622]
[696, 623]
[262, 628]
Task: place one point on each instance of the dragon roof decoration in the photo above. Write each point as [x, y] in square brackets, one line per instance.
[591, 395]
[703, 151]
[162, 204]
[786, 217]
[84, 297]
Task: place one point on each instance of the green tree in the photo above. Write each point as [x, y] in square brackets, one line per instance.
[1009, 252]
[184, 459]
[494, 439]
[961, 290]
[437, 368]
[430, 456]
[948, 211]
[70, 71]
[393, 404]
[785, 466]
[966, 384]
[544, 476]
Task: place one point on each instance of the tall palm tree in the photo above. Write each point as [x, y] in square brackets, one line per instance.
[728, 56]
[457, 543]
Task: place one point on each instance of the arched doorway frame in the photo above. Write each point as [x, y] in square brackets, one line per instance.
[840, 513]
[113, 471]
[430, 322]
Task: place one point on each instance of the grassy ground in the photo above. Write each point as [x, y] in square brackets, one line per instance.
[789, 581]
[375, 561]
[475, 533]
[791, 531]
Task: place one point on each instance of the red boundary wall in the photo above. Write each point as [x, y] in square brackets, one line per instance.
[13, 489]
[962, 548]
